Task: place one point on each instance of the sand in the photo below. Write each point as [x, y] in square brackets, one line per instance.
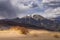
[32, 35]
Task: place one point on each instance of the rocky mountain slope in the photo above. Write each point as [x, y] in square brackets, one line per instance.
[33, 22]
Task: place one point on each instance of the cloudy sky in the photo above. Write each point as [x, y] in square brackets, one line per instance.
[20, 8]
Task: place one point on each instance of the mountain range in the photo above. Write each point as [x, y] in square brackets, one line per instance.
[31, 22]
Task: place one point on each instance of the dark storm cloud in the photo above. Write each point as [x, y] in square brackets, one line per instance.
[13, 8]
[34, 5]
[7, 10]
[52, 4]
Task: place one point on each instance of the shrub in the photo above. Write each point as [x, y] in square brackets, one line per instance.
[21, 30]
[56, 36]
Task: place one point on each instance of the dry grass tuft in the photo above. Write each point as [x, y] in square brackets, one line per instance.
[19, 29]
[56, 36]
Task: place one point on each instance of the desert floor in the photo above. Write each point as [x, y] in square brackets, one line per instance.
[32, 35]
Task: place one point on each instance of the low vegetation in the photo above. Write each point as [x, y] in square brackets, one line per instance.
[21, 30]
[56, 36]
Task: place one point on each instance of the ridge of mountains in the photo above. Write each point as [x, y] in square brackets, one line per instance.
[32, 22]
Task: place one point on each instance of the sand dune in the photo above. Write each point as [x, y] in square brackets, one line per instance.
[32, 35]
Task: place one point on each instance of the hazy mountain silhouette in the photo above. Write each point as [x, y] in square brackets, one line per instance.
[32, 22]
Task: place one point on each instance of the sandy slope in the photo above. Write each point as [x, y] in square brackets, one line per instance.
[32, 35]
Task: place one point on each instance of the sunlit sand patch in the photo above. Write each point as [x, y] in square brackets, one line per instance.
[9, 33]
[44, 33]
[13, 32]
[38, 32]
